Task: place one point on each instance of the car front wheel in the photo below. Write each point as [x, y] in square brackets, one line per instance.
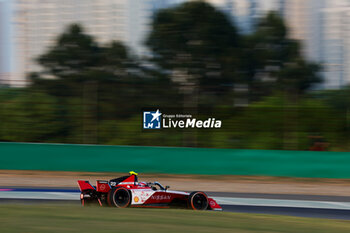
[198, 201]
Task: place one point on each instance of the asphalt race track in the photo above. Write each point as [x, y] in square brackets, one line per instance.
[316, 206]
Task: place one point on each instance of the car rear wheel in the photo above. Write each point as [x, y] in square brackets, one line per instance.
[119, 197]
[198, 201]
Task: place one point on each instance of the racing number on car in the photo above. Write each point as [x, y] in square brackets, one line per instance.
[113, 183]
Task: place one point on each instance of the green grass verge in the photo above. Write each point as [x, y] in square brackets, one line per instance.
[65, 218]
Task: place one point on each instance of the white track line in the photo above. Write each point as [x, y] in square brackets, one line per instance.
[282, 203]
[40, 195]
[220, 200]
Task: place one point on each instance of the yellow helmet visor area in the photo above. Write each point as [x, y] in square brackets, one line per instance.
[133, 173]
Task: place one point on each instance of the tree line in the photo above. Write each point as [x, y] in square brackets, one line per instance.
[89, 92]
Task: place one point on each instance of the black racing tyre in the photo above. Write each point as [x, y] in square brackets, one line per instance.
[119, 197]
[198, 201]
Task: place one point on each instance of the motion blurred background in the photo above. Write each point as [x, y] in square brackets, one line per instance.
[80, 71]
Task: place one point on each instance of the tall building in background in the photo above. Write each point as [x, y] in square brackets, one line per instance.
[5, 37]
[2, 43]
[323, 28]
[336, 43]
[37, 24]
[305, 23]
[29, 27]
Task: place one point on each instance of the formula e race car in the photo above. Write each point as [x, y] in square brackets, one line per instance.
[126, 191]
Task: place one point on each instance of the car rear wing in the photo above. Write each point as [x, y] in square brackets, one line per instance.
[102, 186]
[85, 185]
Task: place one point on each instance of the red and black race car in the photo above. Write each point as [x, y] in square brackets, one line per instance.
[126, 191]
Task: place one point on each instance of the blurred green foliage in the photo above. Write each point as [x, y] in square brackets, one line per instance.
[94, 93]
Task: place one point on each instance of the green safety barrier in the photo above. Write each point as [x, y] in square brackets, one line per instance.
[96, 158]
